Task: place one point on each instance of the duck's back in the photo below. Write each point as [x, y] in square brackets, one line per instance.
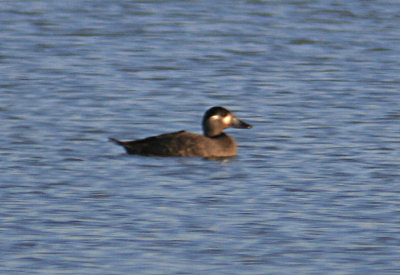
[183, 144]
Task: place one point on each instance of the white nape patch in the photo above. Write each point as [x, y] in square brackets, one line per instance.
[227, 120]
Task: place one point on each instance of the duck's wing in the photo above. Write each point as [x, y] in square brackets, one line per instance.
[179, 143]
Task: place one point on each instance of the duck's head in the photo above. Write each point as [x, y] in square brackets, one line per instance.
[216, 119]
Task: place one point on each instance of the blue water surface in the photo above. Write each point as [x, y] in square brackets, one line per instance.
[314, 189]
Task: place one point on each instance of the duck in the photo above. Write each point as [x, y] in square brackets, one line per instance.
[214, 143]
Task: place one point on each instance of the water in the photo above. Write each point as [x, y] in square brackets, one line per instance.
[316, 183]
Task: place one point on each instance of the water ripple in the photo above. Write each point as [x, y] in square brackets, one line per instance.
[314, 186]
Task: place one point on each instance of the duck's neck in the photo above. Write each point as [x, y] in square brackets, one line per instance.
[211, 132]
[212, 127]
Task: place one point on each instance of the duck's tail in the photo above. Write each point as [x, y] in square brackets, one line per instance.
[116, 141]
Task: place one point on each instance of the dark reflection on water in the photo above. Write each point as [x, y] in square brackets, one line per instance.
[314, 186]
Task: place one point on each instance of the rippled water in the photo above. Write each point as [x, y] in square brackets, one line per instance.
[316, 183]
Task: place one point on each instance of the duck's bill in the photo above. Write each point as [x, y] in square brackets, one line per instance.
[237, 123]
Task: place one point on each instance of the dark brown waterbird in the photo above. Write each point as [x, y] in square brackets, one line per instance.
[214, 143]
